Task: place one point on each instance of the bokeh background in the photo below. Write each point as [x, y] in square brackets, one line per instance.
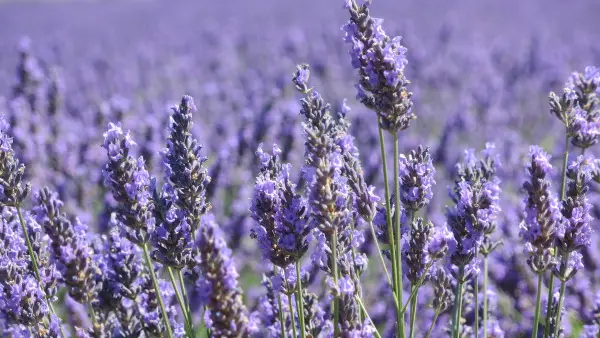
[481, 72]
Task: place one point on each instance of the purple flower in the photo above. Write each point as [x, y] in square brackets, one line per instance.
[416, 251]
[122, 267]
[186, 171]
[584, 128]
[71, 249]
[473, 216]
[172, 238]
[541, 216]
[279, 211]
[346, 286]
[129, 181]
[217, 283]
[22, 298]
[380, 62]
[416, 176]
[149, 309]
[13, 191]
[575, 231]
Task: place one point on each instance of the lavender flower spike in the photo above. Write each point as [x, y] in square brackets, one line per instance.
[280, 213]
[70, 247]
[13, 191]
[575, 232]
[184, 164]
[129, 182]
[541, 216]
[226, 315]
[380, 61]
[23, 302]
[416, 177]
[173, 236]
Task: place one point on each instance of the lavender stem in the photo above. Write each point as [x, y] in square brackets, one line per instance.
[300, 301]
[400, 314]
[157, 290]
[364, 310]
[186, 301]
[34, 259]
[476, 294]
[485, 298]
[281, 317]
[413, 312]
[390, 228]
[435, 317]
[563, 186]
[181, 302]
[538, 300]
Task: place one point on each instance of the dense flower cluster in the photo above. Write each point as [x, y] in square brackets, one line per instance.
[226, 315]
[381, 62]
[474, 214]
[542, 217]
[129, 182]
[70, 247]
[280, 213]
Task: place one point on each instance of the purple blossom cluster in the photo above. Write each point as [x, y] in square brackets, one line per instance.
[261, 207]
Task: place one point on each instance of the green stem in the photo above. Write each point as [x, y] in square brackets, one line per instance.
[186, 301]
[388, 218]
[29, 246]
[413, 312]
[157, 290]
[418, 284]
[561, 298]
[485, 298]
[281, 317]
[538, 301]
[51, 307]
[435, 317]
[362, 306]
[334, 271]
[385, 270]
[300, 301]
[353, 273]
[180, 301]
[562, 196]
[476, 295]
[292, 314]
[34, 261]
[397, 213]
[458, 310]
[457, 303]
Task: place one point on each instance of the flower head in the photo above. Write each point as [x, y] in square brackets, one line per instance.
[129, 182]
[541, 216]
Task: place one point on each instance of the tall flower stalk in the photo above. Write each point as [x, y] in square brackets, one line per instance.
[281, 222]
[475, 195]
[129, 182]
[575, 231]
[331, 201]
[13, 191]
[71, 250]
[217, 285]
[382, 87]
[541, 220]
[184, 195]
[578, 109]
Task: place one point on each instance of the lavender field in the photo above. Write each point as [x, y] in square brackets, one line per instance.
[315, 168]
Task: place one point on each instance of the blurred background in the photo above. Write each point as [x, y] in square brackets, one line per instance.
[481, 71]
